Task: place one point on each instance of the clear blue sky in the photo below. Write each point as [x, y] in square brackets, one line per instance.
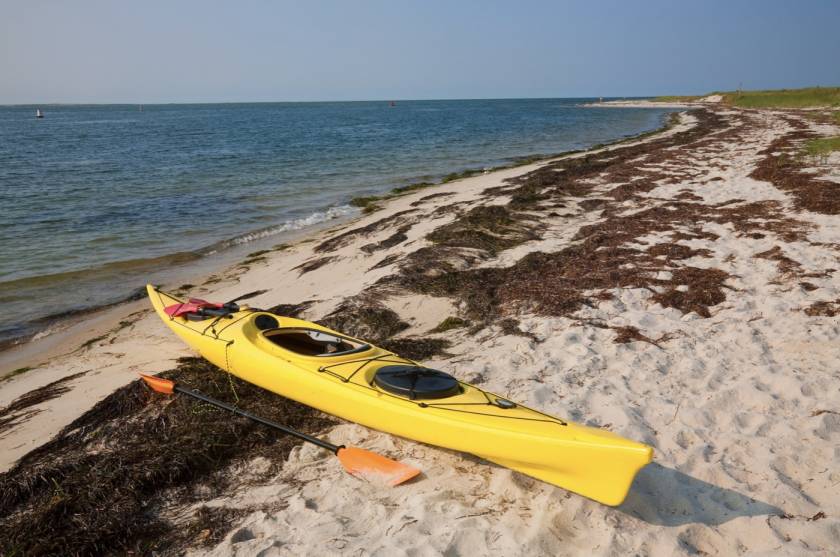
[206, 51]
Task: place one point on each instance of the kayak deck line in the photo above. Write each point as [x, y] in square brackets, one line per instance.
[488, 401]
[362, 383]
[174, 320]
[365, 362]
[440, 405]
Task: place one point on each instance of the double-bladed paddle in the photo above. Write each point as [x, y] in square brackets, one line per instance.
[358, 462]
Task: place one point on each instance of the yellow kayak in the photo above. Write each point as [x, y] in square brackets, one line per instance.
[357, 381]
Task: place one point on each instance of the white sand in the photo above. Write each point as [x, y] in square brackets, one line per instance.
[730, 404]
[637, 103]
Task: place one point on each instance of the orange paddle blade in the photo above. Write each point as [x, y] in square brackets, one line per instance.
[159, 384]
[373, 467]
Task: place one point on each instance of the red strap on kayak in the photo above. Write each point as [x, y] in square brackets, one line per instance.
[192, 306]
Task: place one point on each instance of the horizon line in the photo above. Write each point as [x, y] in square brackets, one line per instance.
[385, 100]
[184, 102]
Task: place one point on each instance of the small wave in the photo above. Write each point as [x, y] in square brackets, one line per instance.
[111, 121]
[49, 330]
[105, 276]
[287, 226]
[119, 270]
[110, 269]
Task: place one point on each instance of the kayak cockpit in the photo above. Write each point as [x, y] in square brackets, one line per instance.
[312, 342]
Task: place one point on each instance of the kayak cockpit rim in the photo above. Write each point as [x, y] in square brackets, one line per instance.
[305, 341]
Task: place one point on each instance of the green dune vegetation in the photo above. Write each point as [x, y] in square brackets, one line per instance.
[679, 98]
[822, 146]
[809, 97]
[779, 98]
[786, 98]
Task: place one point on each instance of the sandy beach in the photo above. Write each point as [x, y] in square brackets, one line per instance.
[681, 290]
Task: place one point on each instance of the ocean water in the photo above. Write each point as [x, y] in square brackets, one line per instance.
[95, 200]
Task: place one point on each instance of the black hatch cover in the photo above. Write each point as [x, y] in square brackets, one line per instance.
[415, 382]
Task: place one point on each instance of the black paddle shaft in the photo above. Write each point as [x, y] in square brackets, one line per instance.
[218, 403]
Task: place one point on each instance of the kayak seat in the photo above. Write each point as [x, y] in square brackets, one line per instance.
[416, 382]
[311, 342]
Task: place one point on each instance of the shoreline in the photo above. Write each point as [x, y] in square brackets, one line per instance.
[306, 160]
[194, 266]
[64, 333]
[34, 362]
[680, 290]
[227, 250]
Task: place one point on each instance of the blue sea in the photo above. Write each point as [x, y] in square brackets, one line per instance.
[97, 200]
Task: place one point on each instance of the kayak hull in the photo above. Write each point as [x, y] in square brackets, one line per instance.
[589, 461]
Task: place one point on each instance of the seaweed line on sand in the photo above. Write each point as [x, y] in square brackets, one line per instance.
[21, 409]
[783, 167]
[127, 475]
[603, 256]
